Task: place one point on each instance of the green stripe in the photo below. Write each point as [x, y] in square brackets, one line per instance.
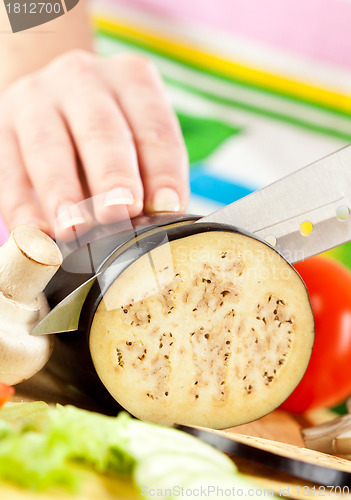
[262, 111]
[239, 81]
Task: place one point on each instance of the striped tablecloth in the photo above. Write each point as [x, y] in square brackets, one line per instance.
[261, 88]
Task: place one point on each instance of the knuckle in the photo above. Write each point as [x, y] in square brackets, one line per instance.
[74, 62]
[114, 173]
[101, 126]
[161, 135]
[39, 136]
[136, 63]
[54, 186]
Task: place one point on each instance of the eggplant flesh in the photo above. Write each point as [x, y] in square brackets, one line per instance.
[103, 252]
[213, 328]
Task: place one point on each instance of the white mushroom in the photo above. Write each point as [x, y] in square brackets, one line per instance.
[28, 260]
[333, 437]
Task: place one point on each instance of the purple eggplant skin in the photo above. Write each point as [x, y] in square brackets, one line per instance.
[96, 247]
[71, 361]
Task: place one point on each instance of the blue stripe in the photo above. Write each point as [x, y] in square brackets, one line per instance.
[216, 189]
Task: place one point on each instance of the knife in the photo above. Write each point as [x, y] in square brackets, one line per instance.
[300, 215]
[299, 462]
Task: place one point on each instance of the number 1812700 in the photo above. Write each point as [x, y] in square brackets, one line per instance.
[322, 491]
[34, 8]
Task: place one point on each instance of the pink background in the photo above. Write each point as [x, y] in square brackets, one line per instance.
[317, 28]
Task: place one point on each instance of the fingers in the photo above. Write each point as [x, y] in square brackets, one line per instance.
[50, 161]
[162, 155]
[107, 151]
[18, 204]
[106, 119]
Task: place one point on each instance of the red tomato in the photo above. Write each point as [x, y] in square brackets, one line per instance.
[327, 381]
[6, 391]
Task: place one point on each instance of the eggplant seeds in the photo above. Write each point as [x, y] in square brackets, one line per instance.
[218, 337]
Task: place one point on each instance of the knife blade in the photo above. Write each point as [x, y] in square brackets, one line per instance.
[300, 215]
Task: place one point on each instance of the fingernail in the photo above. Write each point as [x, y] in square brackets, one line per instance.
[165, 200]
[69, 215]
[119, 196]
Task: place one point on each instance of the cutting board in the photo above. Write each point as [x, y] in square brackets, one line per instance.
[265, 461]
[279, 429]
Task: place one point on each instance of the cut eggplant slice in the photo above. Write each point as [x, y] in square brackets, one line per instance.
[212, 328]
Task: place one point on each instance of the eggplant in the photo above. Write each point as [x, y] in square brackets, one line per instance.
[193, 324]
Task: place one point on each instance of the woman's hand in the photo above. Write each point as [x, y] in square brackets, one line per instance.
[86, 126]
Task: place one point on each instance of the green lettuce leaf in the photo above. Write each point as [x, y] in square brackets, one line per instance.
[40, 444]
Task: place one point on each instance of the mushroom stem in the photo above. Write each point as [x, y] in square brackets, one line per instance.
[28, 260]
[342, 443]
[332, 437]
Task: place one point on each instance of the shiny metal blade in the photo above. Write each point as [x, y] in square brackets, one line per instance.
[315, 200]
[316, 197]
[65, 316]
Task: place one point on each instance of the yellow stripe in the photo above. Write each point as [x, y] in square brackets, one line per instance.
[213, 62]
